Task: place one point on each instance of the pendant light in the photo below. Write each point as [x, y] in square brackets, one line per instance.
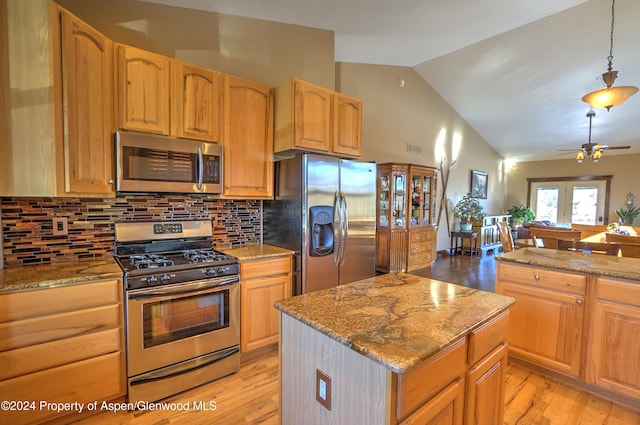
[611, 95]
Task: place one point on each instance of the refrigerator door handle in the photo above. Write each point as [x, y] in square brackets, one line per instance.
[345, 227]
[337, 227]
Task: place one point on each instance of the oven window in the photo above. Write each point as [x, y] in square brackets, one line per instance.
[184, 317]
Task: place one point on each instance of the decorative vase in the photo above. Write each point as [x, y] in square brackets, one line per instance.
[628, 221]
[465, 227]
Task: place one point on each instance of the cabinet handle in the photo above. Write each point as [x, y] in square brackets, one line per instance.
[110, 181]
[579, 301]
[536, 277]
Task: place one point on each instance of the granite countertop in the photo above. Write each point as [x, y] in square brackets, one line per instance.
[398, 320]
[604, 265]
[42, 276]
[256, 252]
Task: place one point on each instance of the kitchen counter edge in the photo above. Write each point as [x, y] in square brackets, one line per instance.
[61, 273]
[251, 252]
[603, 265]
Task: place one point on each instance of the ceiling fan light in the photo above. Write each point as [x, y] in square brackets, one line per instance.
[610, 96]
[580, 157]
[596, 155]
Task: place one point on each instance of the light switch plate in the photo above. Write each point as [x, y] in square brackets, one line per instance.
[323, 389]
[60, 226]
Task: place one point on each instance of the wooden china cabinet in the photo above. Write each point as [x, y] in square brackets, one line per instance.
[405, 231]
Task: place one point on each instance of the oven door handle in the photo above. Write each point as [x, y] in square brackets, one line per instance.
[181, 288]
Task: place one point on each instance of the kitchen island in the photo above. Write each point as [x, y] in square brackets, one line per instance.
[393, 349]
[576, 318]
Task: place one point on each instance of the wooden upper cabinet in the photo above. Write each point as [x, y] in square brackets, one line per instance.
[143, 90]
[347, 128]
[196, 97]
[312, 118]
[87, 75]
[248, 139]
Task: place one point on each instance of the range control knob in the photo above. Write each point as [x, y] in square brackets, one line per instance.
[165, 278]
[220, 271]
[151, 280]
[210, 272]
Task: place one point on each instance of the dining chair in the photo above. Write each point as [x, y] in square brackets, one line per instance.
[547, 238]
[588, 230]
[606, 248]
[505, 236]
[630, 245]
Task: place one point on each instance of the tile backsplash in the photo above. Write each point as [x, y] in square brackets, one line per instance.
[27, 231]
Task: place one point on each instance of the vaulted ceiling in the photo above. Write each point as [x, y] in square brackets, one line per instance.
[514, 70]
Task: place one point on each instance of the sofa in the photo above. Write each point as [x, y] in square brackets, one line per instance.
[522, 232]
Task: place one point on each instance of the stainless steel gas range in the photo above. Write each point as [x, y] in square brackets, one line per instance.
[182, 307]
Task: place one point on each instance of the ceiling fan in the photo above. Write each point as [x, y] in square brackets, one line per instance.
[592, 150]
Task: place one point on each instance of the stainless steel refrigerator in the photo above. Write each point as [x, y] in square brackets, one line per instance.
[324, 210]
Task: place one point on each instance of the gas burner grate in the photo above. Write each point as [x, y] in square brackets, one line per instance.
[150, 261]
[204, 256]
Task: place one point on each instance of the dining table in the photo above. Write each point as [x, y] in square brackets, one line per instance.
[602, 236]
[598, 237]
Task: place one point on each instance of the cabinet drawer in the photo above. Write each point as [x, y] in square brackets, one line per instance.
[20, 305]
[56, 353]
[420, 384]
[420, 247]
[267, 267]
[99, 378]
[57, 326]
[426, 235]
[487, 337]
[542, 278]
[420, 258]
[621, 291]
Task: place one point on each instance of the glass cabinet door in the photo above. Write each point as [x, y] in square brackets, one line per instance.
[416, 200]
[399, 198]
[426, 200]
[383, 207]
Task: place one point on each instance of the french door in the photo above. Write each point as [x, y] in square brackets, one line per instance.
[571, 201]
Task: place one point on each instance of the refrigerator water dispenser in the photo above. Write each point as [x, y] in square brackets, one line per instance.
[321, 234]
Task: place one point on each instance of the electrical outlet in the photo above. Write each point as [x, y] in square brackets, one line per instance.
[60, 226]
[323, 389]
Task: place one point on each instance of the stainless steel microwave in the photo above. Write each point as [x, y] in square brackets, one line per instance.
[155, 163]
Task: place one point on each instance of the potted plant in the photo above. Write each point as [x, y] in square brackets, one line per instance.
[628, 214]
[520, 214]
[467, 210]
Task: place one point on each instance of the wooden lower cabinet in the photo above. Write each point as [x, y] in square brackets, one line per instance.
[61, 345]
[614, 354]
[485, 389]
[582, 328]
[468, 377]
[547, 320]
[444, 409]
[262, 283]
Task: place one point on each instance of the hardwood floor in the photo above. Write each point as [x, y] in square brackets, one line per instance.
[251, 396]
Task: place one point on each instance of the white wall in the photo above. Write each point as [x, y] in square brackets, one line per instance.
[396, 115]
